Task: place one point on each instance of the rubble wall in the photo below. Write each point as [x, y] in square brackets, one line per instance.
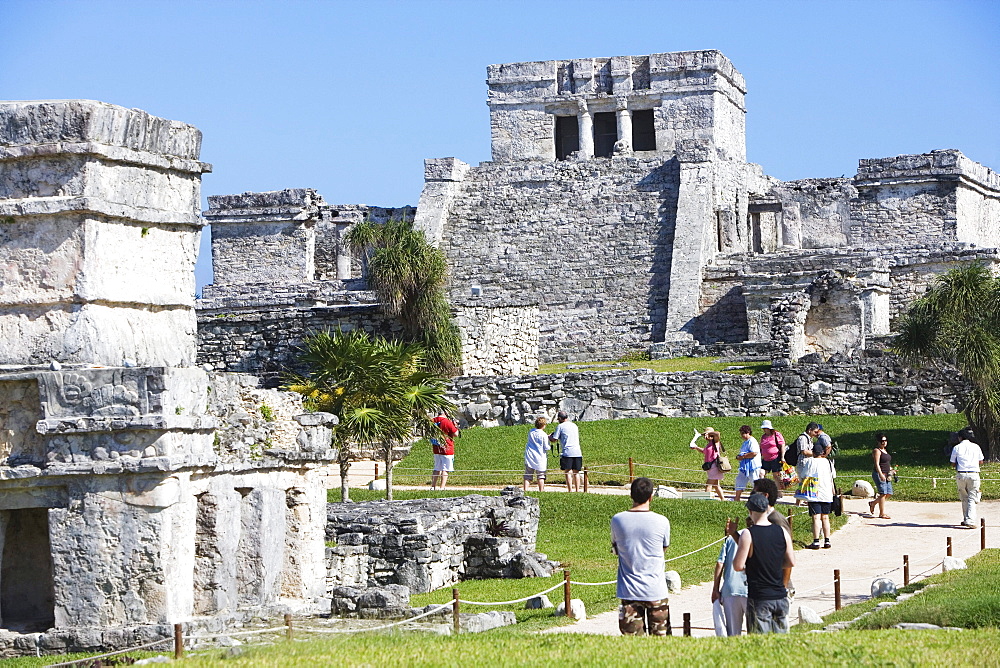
[877, 385]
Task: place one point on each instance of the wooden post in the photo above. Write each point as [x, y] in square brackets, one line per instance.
[790, 518]
[454, 611]
[586, 480]
[982, 533]
[836, 588]
[631, 470]
[376, 470]
[906, 569]
[178, 641]
[949, 546]
[288, 624]
[687, 624]
[567, 594]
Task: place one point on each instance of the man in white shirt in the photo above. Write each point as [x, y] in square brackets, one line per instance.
[967, 457]
[567, 435]
[639, 536]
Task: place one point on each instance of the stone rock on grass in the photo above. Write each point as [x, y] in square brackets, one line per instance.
[673, 581]
[484, 621]
[954, 564]
[538, 603]
[809, 616]
[883, 587]
[576, 608]
[863, 489]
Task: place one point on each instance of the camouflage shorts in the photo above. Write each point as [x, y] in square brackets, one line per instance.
[638, 617]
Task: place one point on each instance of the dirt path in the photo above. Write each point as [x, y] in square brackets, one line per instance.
[863, 549]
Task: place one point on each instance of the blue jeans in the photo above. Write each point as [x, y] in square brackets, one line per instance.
[769, 616]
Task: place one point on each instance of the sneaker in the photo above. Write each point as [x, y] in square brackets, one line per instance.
[827, 545]
[815, 545]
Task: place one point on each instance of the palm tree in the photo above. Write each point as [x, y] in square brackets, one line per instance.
[379, 390]
[408, 274]
[957, 323]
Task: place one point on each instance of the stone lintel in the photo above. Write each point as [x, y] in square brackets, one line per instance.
[47, 206]
[937, 166]
[255, 207]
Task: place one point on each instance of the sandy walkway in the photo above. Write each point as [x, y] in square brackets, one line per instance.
[862, 549]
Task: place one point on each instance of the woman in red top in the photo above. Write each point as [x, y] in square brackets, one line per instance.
[444, 450]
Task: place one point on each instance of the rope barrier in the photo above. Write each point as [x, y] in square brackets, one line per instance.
[116, 653]
[433, 611]
[251, 632]
[698, 550]
[519, 600]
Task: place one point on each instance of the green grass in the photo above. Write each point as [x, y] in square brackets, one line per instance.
[495, 456]
[574, 530]
[895, 648]
[666, 365]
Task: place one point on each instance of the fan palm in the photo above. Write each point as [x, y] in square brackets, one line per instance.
[379, 390]
[957, 322]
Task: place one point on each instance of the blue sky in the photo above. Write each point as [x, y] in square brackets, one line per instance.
[350, 97]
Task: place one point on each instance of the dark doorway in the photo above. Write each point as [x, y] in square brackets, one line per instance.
[605, 133]
[567, 136]
[27, 599]
[643, 133]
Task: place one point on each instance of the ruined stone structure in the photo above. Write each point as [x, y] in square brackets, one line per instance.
[618, 213]
[135, 491]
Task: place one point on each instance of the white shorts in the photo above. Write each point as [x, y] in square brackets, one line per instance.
[444, 462]
[743, 480]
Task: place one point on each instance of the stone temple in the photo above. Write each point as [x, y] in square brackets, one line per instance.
[142, 482]
[618, 213]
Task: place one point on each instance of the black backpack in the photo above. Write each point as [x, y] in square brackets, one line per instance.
[792, 451]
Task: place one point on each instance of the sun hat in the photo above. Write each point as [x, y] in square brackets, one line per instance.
[766, 424]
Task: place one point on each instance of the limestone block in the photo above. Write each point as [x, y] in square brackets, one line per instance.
[485, 621]
[954, 564]
[664, 492]
[883, 587]
[576, 607]
[863, 489]
[809, 616]
[538, 603]
[673, 581]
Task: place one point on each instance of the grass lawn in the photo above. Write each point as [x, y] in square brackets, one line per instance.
[666, 366]
[574, 530]
[495, 456]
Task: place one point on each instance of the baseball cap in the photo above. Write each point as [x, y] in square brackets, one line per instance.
[757, 503]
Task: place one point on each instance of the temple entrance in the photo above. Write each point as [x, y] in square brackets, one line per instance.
[27, 598]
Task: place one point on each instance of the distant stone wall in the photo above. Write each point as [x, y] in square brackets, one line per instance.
[588, 241]
[875, 385]
[422, 543]
[498, 340]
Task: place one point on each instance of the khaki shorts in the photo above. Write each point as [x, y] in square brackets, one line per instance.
[650, 617]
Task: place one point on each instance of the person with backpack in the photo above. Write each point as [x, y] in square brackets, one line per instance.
[772, 450]
[800, 450]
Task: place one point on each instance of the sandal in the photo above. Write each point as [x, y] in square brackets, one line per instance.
[884, 517]
[827, 545]
[815, 545]
[871, 507]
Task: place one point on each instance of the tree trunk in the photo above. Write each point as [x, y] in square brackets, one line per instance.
[345, 491]
[388, 473]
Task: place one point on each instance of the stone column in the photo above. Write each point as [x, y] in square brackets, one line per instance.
[624, 121]
[99, 226]
[442, 180]
[586, 131]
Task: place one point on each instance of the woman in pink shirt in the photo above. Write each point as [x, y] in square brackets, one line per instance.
[772, 451]
[712, 451]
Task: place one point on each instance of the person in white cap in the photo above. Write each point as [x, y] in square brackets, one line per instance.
[772, 451]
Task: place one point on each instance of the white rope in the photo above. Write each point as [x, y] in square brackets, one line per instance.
[378, 628]
[104, 656]
[593, 584]
[698, 550]
[520, 600]
[251, 632]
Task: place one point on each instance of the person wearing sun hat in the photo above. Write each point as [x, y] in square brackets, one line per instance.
[772, 451]
[712, 452]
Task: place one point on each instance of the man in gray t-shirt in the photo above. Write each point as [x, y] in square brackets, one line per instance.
[639, 537]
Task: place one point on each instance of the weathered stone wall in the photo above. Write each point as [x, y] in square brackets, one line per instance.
[816, 212]
[81, 182]
[588, 241]
[421, 543]
[498, 340]
[876, 385]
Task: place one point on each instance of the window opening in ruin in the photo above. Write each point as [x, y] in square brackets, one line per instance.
[643, 132]
[27, 595]
[640, 75]
[567, 136]
[605, 133]
[718, 231]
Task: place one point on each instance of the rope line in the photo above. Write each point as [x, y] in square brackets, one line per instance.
[520, 600]
[433, 611]
[251, 632]
[104, 656]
